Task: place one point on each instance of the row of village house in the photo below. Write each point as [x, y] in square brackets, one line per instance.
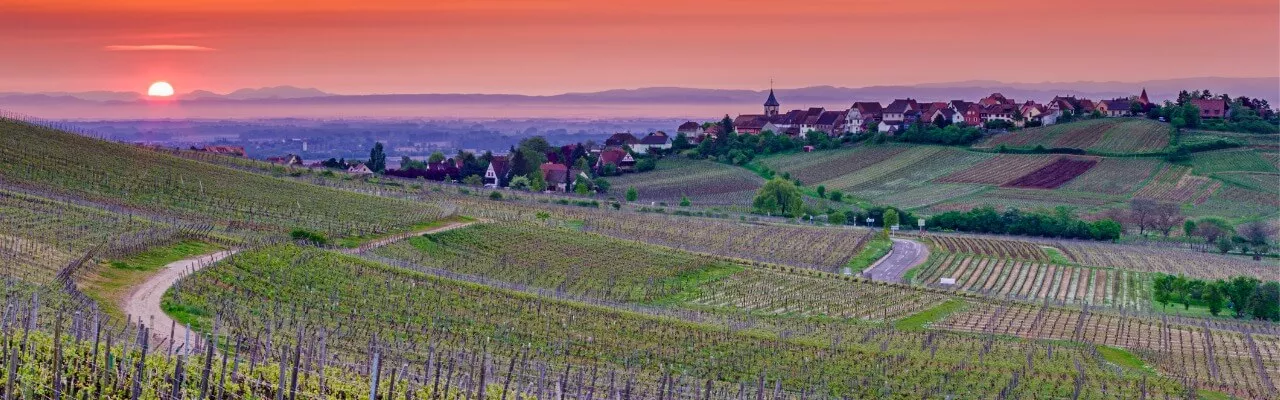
[617, 150]
[873, 117]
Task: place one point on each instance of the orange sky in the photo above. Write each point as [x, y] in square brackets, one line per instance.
[555, 46]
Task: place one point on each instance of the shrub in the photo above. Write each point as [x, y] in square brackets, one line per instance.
[303, 235]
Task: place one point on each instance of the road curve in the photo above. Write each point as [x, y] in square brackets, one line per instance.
[906, 254]
[143, 303]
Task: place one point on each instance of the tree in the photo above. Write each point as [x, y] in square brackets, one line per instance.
[1239, 292]
[822, 191]
[726, 129]
[519, 165]
[377, 159]
[1265, 302]
[632, 194]
[684, 201]
[1211, 229]
[1135, 108]
[1142, 213]
[473, 180]
[1181, 291]
[581, 188]
[1163, 289]
[779, 196]
[1166, 217]
[1213, 296]
[836, 218]
[602, 185]
[890, 218]
[536, 182]
[1258, 235]
[519, 183]
[681, 142]
[837, 195]
[436, 157]
[1224, 245]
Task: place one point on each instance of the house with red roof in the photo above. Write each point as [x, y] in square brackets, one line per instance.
[861, 113]
[618, 157]
[690, 129]
[1215, 108]
[621, 139]
[898, 109]
[557, 176]
[970, 113]
[995, 99]
[235, 151]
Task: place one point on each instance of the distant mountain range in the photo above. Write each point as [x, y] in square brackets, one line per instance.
[284, 101]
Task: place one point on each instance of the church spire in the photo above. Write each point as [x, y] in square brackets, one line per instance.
[771, 104]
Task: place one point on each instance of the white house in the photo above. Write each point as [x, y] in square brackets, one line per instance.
[359, 170]
[655, 141]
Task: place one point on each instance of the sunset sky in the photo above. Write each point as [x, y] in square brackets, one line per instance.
[556, 46]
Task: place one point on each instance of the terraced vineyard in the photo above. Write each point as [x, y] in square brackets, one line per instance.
[1000, 170]
[811, 168]
[1235, 160]
[990, 247]
[1173, 261]
[1114, 176]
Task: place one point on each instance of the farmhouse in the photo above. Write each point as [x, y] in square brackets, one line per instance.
[897, 110]
[556, 176]
[359, 170]
[861, 113]
[1115, 107]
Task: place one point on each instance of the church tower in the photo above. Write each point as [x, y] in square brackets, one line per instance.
[771, 105]
[1143, 98]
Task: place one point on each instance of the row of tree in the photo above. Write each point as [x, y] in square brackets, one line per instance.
[1061, 223]
[1245, 296]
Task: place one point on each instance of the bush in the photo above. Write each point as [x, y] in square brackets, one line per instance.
[494, 195]
[303, 235]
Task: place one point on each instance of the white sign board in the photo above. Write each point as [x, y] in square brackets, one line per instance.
[894, 228]
[920, 222]
[947, 281]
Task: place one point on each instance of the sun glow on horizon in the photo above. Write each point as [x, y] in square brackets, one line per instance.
[160, 89]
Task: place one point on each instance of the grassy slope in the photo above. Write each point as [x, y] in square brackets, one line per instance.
[110, 283]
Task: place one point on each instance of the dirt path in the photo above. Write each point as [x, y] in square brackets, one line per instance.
[143, 303]
[906, 254]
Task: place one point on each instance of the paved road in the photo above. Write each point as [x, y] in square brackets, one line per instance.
[906, 254]
[143, 302]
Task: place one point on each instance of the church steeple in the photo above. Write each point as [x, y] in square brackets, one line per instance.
[1143, 97]
[771, 105]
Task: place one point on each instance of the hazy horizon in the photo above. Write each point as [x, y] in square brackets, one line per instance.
[542, 47]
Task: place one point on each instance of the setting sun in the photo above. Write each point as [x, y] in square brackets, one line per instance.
[160, 89]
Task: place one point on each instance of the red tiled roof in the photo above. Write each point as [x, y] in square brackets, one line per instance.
[1211, 107]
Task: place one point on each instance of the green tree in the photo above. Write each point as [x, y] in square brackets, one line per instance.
[436, 157]
[1189, 228]
[581, 187]
[837, 195]
[890, 218]
[1213, 296]
[632, 194]
[519, 183]
[473, 180]
[1265, 302]
[1181, 294]
[681, 142]
[1239, 292]
[1162, 289]
[822, 191]
[377, 159]
[836, 218]
[684, 201]
[602, 185]
[779, 196]
[536, 182]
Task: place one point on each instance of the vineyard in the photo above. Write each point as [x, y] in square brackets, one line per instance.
[572, 262]
[705, 183]
[1236, 360]
[446, 316]
[1107, 136]
[1174, 183]
[1039, 281]
[1231, 161]
[542, 298]
[151, 182]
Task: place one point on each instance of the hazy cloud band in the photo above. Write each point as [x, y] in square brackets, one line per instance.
[158, 47]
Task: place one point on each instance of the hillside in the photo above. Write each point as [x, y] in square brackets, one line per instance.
[1109, 136]
[149, 181]
[544, 298]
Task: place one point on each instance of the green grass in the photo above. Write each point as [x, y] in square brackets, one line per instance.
[876, 248]
[352, 242]
[921, 320]
[1056, 256]
[111, 283]
[1206, 394]
[1123, 358]
[692, 281]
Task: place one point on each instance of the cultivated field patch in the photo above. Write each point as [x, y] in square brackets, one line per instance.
[1000, 169]
[1053, 175]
